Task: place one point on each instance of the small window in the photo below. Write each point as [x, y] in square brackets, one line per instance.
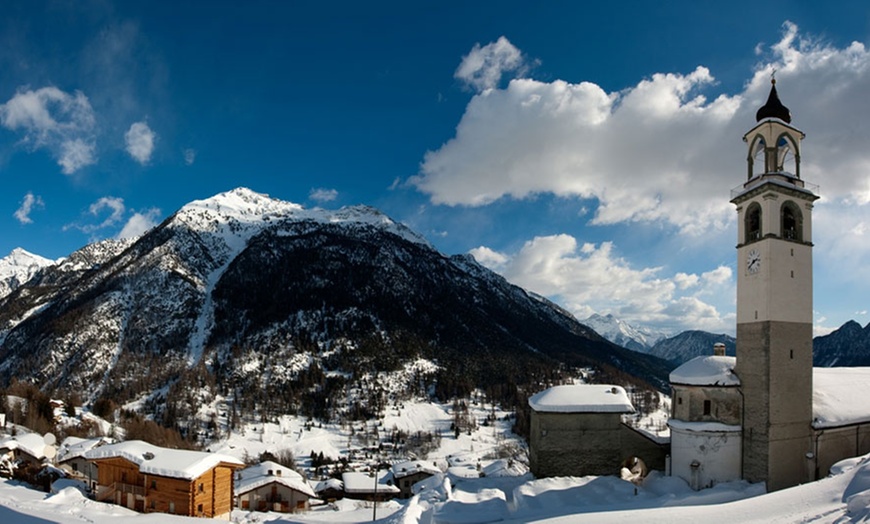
[199, 509]
[680, 400]
[153, 484]
[707, 407]
[201, 487]
[791, 354]
[153, 504]
[171, 507]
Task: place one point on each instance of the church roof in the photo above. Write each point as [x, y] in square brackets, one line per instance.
[707, 370]
[840, 396]
[582, 398]
[773, 108]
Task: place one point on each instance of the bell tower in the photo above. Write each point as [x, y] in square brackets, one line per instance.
[775, 301]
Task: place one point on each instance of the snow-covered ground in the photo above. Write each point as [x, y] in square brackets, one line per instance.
[477, 486]
[843, 497]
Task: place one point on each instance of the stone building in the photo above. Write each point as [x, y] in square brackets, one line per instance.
[706, 438]
[578, 430]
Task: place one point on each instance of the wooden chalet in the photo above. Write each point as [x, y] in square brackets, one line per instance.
[148, 479]
[406, 474]
[269, 486]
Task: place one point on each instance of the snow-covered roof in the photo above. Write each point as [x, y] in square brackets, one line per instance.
[324, 485]
[707, 370]
[73, 447]
[840, 396]
[582, 398]
[153, 460]
[356, 482]
[412, 467]
[31, 443]
[268, 472]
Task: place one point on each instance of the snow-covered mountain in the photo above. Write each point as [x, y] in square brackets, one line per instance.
[690, 344]
[285, 309]
[624, 334]
[847, 346]
[18, 267]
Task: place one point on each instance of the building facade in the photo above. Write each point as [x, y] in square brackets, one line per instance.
[148, 479]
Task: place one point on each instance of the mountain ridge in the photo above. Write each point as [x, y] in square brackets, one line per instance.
[249, 298]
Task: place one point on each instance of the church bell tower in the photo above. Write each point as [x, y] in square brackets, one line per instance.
[775, 301]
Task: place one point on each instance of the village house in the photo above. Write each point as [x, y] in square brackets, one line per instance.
[23, 450]
[148, 478]
[71, 458]
[329, 490]
[363, 486]
[406, 474]
[269, 486]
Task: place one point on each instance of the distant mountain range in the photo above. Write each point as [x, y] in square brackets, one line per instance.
[281, 309]
[848, 346]
[622, 333]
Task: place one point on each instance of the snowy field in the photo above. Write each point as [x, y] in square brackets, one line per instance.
[843, 497]
[460, 495]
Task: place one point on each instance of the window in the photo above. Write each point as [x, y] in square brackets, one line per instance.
[199, 509]
[792, 221]
[707, 407]
[201, 487]
[171, 507]
[753, 222]
[153, 484]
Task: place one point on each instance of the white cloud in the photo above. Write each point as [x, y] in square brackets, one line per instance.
[113, 205]
[483, 67]
[189, 156]
[139, 223]
[591, 278]
[28, 204]
[658, 150]
[489, 258]
[139, 140]
[323, 195]
[60, 122]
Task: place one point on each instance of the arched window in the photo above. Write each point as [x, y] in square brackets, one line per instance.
[753, 222]
[786, 159]
[791, 221]
[757, 157]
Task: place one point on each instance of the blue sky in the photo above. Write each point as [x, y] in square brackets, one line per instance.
[586, 152]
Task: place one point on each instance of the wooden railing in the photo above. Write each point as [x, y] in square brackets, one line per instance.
[108, 492]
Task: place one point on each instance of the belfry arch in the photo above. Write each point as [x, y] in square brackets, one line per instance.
[753, 223]
[791, 221]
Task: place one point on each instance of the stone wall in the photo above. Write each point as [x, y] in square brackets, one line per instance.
[575, 444]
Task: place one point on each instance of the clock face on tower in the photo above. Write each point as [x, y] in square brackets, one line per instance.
[753, 261]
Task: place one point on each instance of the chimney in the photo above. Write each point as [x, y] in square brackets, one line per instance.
[719, 349]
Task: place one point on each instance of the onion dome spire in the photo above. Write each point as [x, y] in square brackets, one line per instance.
[773, 108]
